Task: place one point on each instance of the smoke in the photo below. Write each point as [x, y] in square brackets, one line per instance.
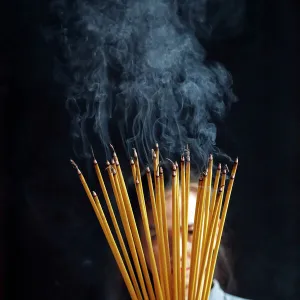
[137, 68]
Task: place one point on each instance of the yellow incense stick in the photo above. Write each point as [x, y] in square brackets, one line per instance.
[157, 284]
[169, 279]
[220, 231]
[210, 239]
[127, 230]
[121, 187]
[198, 234]
[165, 227]
[117, 229]
[184, 226]
[215, 188]
[105, 227]
[174, 234]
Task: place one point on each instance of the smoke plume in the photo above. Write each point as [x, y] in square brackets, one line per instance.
[136, 67]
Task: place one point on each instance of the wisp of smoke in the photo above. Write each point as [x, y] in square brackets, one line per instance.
[137, 66]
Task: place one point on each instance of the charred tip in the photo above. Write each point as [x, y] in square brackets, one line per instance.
[210, 158]
[73, 163]
[148, 170]
[114, 171]
[219, 166]
[182, 158]
[232, 177]
[75, 166]
[187, 153]
[220, 190]
[113, 161]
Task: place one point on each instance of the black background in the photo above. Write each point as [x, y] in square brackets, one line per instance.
[53, 245]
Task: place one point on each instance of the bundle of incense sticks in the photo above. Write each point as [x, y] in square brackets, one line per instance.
[168, 277]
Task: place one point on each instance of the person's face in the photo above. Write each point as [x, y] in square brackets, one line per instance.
[191, 214]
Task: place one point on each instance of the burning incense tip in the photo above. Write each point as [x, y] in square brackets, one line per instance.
[226, 167]
[176, 164]
[94, 194]
[113, 161]
[210, 157]
[220, 189]
[232, 177]
[148, 170]
[219, 166]
[131, 161]
[153, 154]
[134, 153]
[107, 163]
[236, 160]
[156, 145]
[182, 158]
[73, 164]
[114, 171]
[161, 170]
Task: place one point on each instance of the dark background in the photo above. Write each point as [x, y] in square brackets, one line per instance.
[53, 246]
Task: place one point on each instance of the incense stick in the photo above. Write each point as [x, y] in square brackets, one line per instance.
[169, 273]
[107, 232]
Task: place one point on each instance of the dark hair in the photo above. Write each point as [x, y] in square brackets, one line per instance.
[224, 270]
